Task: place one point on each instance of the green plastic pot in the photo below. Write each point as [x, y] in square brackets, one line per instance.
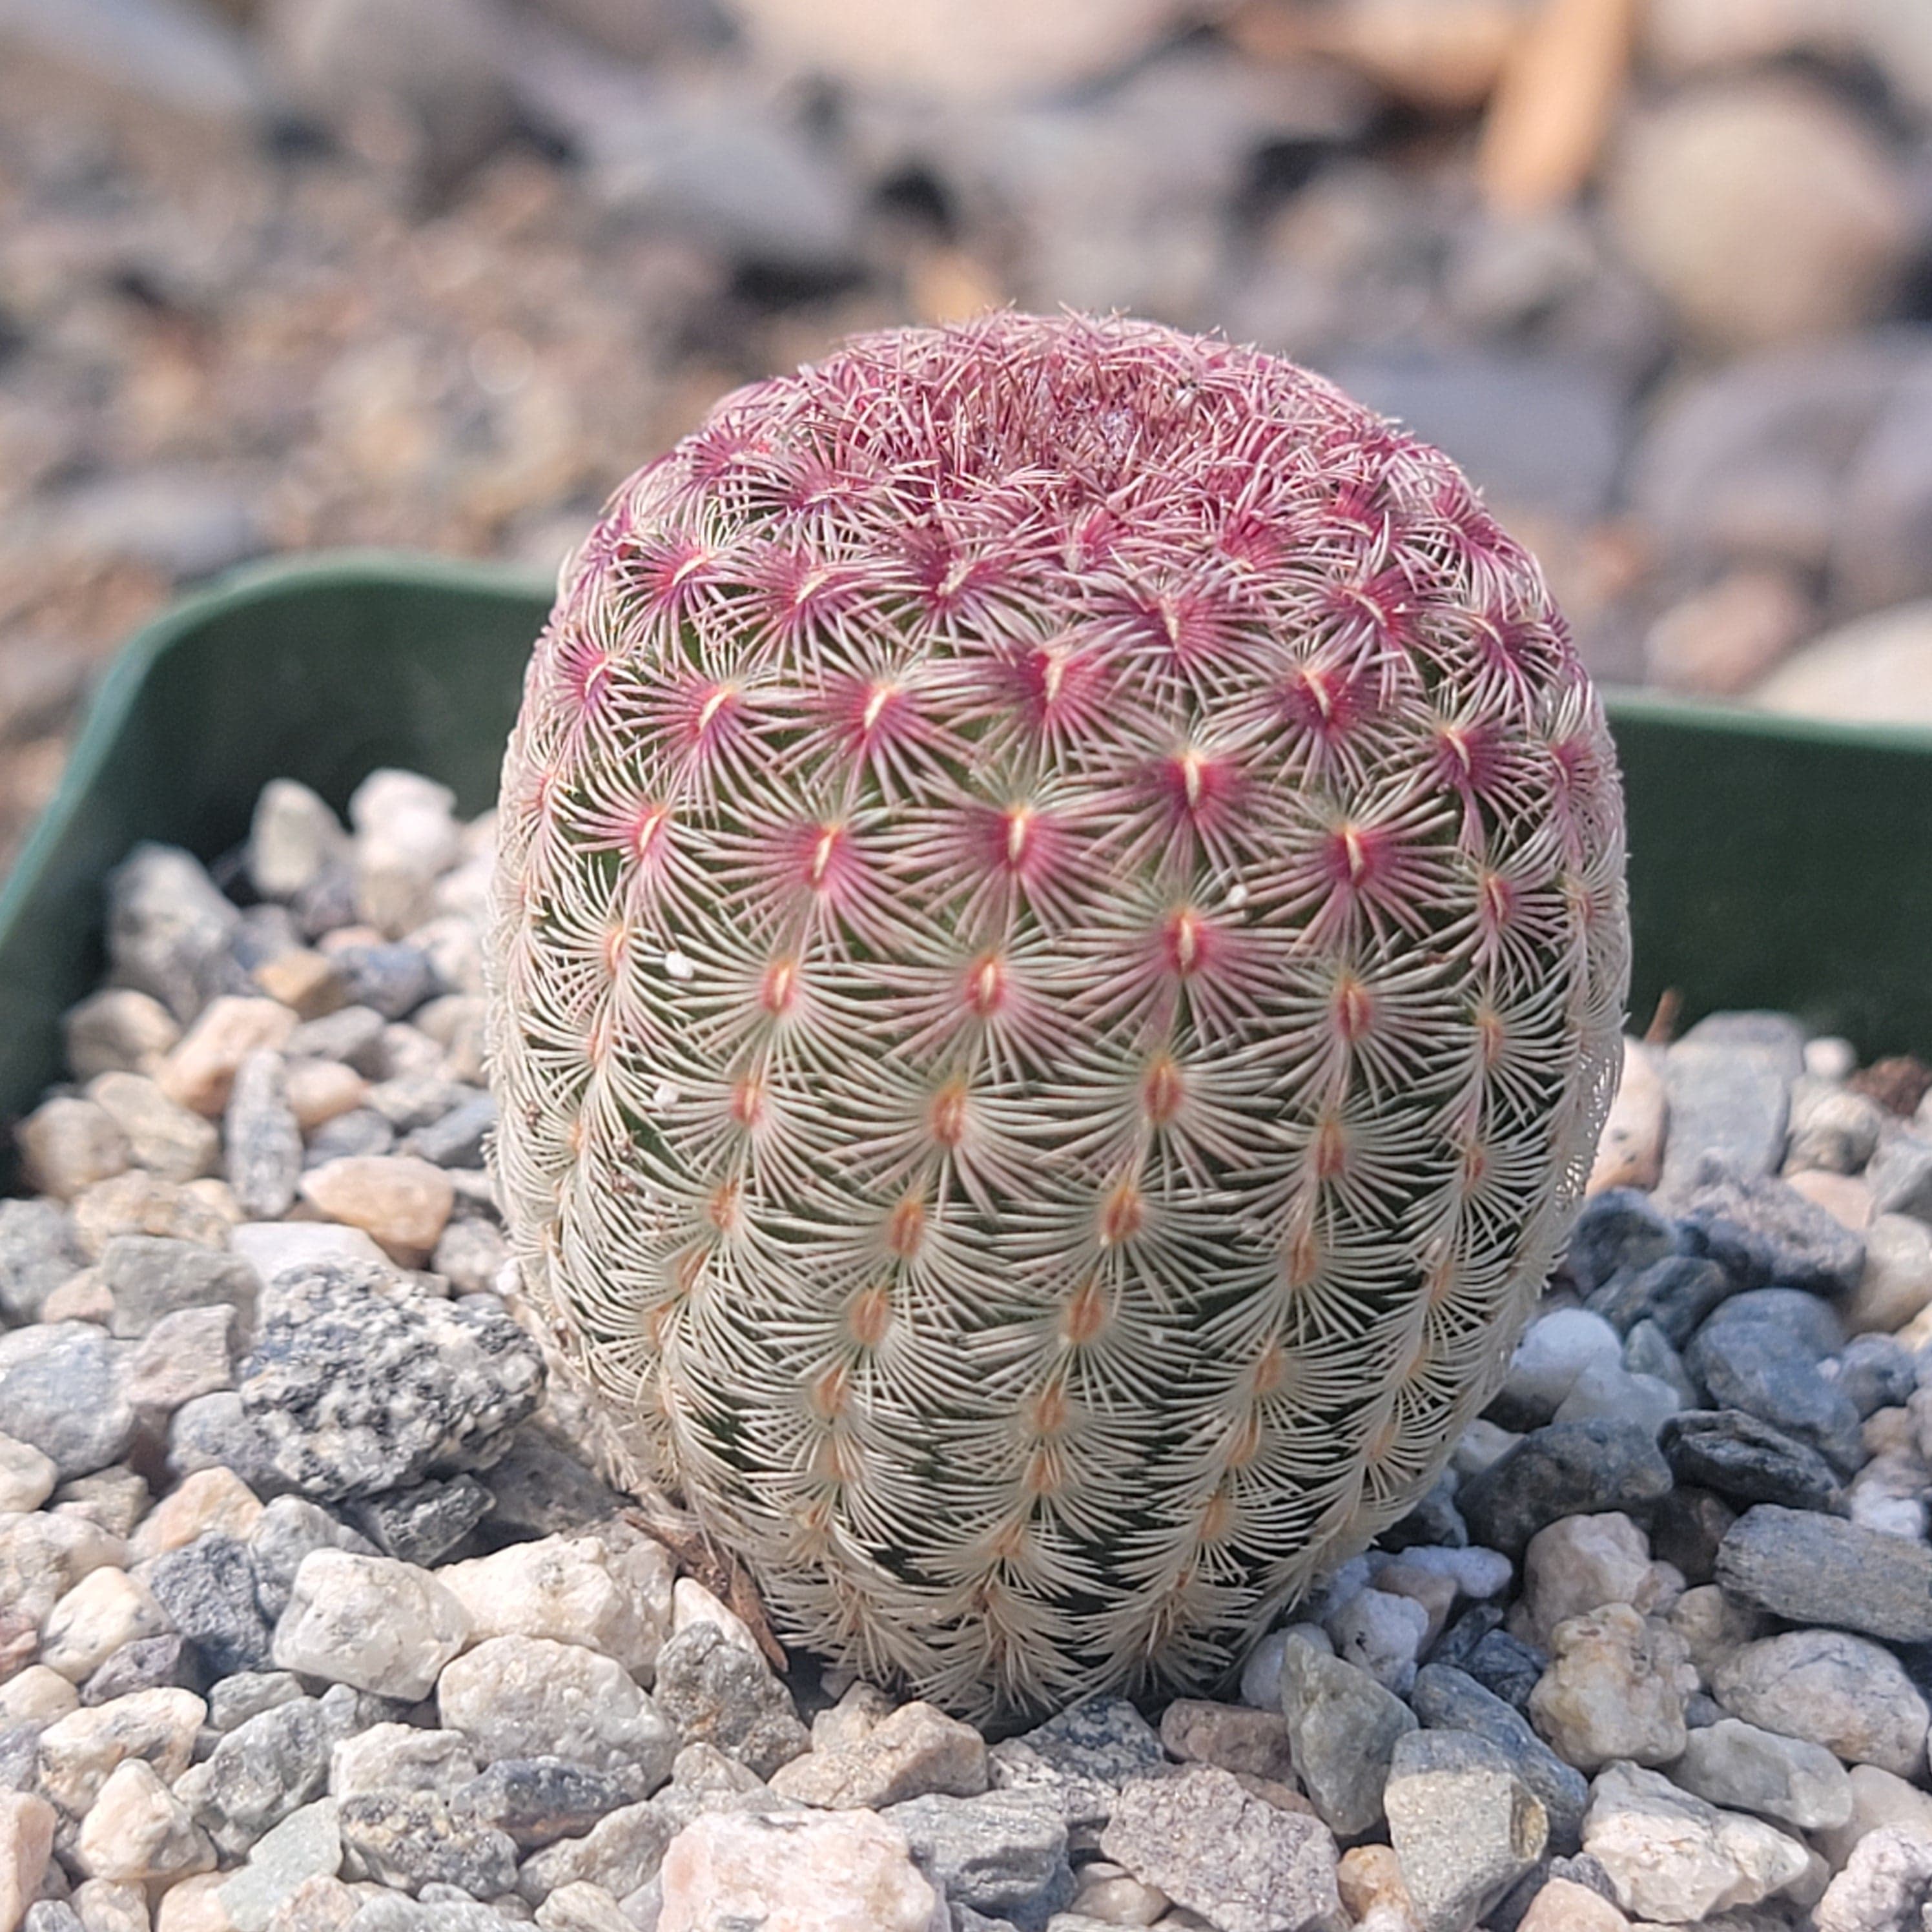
[1773, 862]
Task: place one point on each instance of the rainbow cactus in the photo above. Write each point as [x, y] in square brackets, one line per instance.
[1060, 943]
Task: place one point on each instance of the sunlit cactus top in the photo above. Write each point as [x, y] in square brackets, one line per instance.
[1060, 945]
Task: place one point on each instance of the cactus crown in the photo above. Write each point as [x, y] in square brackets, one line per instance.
[1060, 943]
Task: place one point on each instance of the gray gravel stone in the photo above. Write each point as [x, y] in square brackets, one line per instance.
[148, 1663]
[168, 926]
[423, 1525]
[358, 1390]
[1568, 1468]
[1814, 1569]
[1343, 1728]
[214, 1431]
[1809, 1322]
[1621, 1230]
[285, 1531]
[150, 1277]
[1874, 1371]
[1728, 1085]
[539, 1800]
[61, 1392]
[457, 1139]
[392, 980]
[1738, 1455]
[1447, 1698]
[1080, 1758]
[1738, 1766]
[271, 1765]
[409, 1839]
[1003, 1854]
[38, 1255]
[306, 1844]
[1676, 1293]
[1216, 1848]
[208, 1590]
[234, 1700]
[1465, 1826]
[351, 1034]
[1768, 1370]
[1763, 1232]
[1900, 1177]
[541, 1489]
[360, 1131]
[714, 1691]
[263, 1145]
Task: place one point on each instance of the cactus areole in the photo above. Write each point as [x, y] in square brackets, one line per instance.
[1059, 949]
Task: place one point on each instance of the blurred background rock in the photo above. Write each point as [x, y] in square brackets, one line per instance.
[277, 274]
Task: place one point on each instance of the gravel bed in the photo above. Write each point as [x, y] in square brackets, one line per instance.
[316, 1612]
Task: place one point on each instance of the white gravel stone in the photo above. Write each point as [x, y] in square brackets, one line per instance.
[848, 1871]
[1478, 1572]
[104, 1906]
[209, 1502]
[77, 1753]
[43, 1556]
[915, 1751]
[1884, 1885]
[105, 1609]
[118, 1028]
[36, 1695]
[1615, 1688]
[1555, 1349]
[1671, 1857]
[406, 836]
[272, 1247]
[605, 1591]
[26, 1840]
[403, 1204]
[166, 1139]
[1609, 1389]
[369, 1621]
[521, 1697]
[400, 1757]
[27, 1478]
[66, 1145]
[1381, 1632]
[579, 1907]
[1843, 1692]
[137, 1830]
[1878, 1798]
[1580, 1563]
[199, 1072]
[693, 1604]
[1897, 1283]
[293, 839]
[1480, 1446]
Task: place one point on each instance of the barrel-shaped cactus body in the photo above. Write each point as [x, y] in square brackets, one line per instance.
[1058, 955]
